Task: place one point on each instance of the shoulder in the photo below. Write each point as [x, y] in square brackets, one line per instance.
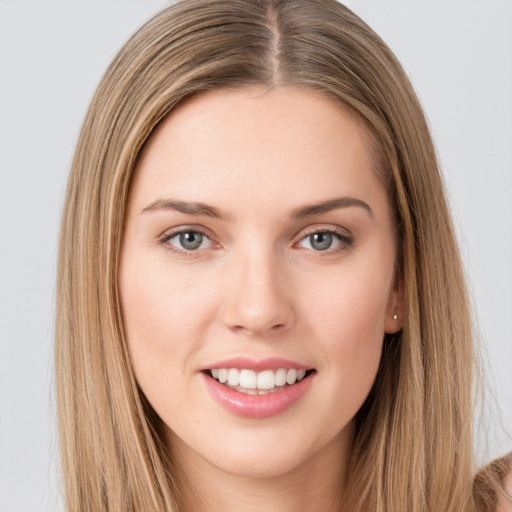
[504, 501]
[492, 486]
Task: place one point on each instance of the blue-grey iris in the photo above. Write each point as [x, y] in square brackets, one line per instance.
[191, 240]
[321, 241]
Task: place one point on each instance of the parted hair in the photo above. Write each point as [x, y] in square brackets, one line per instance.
[413, 446]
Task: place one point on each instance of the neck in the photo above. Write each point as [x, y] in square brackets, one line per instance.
[316, 485]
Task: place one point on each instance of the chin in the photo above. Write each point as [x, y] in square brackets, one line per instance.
[263, 463]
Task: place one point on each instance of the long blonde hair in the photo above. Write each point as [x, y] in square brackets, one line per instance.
[413, 448]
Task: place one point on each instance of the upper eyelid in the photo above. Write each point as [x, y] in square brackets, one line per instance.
[300, 235]
[172, 232]
[337, 230]
[206, 231]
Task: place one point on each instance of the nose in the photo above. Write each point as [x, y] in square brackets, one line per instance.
[258, 295]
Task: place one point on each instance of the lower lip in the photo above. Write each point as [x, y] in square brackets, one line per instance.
[257, 406]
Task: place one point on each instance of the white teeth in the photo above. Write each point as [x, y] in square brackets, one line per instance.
[254, 383]
[223, 375]
[233, 377]
[266, 380]
[281, 377]
[291, 377]
[248, 379]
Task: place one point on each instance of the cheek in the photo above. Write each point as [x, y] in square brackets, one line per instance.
[164, 313]
[350, 308]
[347, 316]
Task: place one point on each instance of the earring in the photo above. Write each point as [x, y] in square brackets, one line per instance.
[395, 317]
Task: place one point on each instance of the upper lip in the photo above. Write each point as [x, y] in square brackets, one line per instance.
[271, 363]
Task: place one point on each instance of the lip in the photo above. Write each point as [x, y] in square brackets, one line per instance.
[257, 406]
[272, 363]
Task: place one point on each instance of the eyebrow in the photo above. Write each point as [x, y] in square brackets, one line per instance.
[329, 205]
[203, 209]
[190, 208]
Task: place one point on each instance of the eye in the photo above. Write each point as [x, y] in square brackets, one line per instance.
[188, 240]
[320, 241]
[325, 241]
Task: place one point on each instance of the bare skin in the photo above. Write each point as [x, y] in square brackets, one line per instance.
[258, 228]
[503, 504]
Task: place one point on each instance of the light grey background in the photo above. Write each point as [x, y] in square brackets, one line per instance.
[53, 53]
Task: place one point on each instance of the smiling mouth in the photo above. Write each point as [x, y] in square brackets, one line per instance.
[251, 382]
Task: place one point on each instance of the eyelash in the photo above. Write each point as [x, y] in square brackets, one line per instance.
[165, 240]
[345, 240]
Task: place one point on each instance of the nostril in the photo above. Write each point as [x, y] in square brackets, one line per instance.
[258, 329]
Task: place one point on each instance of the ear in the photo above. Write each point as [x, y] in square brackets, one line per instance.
[395, 312]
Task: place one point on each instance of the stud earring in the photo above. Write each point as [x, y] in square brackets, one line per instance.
[395, 317]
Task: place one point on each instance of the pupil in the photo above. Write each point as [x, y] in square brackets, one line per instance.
[321, 241]
[191, 240]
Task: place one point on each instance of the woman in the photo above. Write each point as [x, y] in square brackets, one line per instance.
[261, 302]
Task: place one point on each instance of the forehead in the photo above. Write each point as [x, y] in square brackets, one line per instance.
[285, 144]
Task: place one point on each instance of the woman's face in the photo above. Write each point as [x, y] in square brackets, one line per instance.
[259, 248]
